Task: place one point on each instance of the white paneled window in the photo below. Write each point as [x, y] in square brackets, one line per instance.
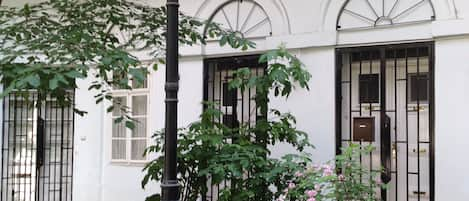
[127, 144]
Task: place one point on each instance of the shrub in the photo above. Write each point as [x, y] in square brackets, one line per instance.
[210, 153]
[345, 179]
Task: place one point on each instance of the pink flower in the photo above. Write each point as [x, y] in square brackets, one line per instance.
[316, 167]
[317, 187]
[341, 178]
[298, 174]
[327, 172]
[281, 198]
[311, 199]
[311, 193]
[326, 167]
[378, 181]
[291, 185]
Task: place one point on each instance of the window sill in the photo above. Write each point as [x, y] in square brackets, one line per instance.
[129, 163]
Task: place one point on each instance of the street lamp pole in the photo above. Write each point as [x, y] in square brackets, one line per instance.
[170, 185]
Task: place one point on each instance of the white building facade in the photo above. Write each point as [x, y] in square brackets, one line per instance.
[387, 72]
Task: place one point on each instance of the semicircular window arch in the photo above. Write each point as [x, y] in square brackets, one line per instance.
[244, 17]
[365, 14]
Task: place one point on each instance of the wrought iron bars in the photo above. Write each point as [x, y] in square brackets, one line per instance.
[37, 150]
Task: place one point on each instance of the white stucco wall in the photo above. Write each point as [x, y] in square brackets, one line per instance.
[313, 109]
[308, 29]
[88, 145]
[451, 128]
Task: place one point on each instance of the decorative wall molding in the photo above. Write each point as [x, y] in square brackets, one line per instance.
[244, 17]
[274, 10]
[362, 14]
[331, 10]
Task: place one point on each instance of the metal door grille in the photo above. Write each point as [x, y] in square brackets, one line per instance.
[237, 107]
[37, 150]
[404, 105]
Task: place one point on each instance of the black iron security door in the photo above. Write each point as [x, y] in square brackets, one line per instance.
[37, 150]
[385, 98]
[238, 107]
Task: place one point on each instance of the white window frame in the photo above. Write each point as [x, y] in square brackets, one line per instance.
[128, 94]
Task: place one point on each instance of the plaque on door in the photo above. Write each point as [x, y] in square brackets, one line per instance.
[364, 129]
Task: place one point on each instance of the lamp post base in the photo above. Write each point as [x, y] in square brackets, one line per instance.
[170, 190]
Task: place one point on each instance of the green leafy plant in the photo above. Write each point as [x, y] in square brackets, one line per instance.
[343, 179]
[48, 46]
[210, 153]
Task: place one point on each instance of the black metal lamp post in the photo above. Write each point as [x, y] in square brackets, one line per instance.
[170, 185]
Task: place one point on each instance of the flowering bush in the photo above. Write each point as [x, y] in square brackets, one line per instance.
[346, 180]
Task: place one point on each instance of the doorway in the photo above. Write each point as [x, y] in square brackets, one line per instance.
[385, 98]
[238, 107]
[37, 149]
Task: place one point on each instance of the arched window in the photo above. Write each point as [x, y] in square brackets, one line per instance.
[363, 14]
[245, 17]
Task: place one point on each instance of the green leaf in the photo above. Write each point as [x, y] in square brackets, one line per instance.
[130, 124]
[110, 109]
[79, 112]
[62, 79]
[74, 74]
[107, 60]
[155, 197]
[118, 120]
[34, 80]
[99, 100]
[7, 91]
[223, 40]
[138, 73]
[53, 83]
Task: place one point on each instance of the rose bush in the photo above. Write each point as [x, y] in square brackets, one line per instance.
[345, 178]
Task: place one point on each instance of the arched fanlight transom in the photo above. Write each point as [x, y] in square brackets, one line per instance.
[358, 14]
[244, 17]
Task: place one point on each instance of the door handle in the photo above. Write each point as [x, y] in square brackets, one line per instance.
[40, 142]
[421, 193]
[386, 150]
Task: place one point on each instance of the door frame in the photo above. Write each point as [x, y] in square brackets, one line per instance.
[431, 101]
[225, 64]
[39, 133]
